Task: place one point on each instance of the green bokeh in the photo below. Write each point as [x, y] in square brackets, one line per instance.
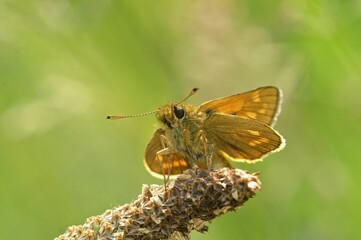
[65, 65]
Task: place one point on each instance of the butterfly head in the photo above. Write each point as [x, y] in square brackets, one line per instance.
[171, 115]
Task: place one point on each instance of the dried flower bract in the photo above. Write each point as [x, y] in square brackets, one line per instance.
[195, 197]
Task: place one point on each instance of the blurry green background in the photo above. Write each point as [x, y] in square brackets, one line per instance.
[65, 65]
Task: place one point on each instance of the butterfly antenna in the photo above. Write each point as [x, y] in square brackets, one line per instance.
[193, 91]
[112, 117]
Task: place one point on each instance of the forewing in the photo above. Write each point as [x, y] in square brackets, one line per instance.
[160, 165]
[242, 139]
[262, 104]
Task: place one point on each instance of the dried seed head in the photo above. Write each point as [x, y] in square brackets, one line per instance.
[194, 197]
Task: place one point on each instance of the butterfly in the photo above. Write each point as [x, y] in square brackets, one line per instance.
[233, 128]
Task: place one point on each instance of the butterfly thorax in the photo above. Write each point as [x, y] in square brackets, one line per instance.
[182, 125]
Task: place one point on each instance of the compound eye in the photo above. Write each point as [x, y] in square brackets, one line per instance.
[179, 112]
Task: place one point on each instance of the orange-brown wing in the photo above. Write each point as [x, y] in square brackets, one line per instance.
[241, 139]
[160, 165]
[262, 104]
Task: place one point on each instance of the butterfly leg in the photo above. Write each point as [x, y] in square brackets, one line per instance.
[164, 151]
[207, 149]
